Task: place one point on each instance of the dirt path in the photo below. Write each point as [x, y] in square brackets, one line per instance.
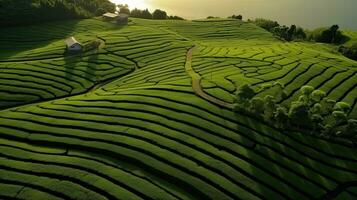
[196, 83]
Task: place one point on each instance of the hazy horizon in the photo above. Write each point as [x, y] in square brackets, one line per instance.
[305, 13]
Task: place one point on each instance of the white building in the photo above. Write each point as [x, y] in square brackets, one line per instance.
[110, 16]
[73, 44]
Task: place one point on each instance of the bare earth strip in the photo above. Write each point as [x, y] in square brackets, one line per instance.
[196, 83]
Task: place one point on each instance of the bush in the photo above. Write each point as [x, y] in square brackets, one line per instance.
[349, 52]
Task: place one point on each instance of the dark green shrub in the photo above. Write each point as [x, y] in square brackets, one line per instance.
[350, 51]
[159, 14]
[267, 24]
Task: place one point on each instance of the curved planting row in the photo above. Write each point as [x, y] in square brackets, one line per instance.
[147, 135]
[200, 147]
[294, 65]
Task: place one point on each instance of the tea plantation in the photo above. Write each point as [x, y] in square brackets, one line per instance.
[148, 115]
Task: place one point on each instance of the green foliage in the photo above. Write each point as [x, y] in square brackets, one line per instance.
[310, 112]
[330, 35]
[124, 9]
[349, 51]
[343, 106]
[257, 105]
[299, 114]
[171, 17]
[283, 32]
[159, 14]
[239, 17]
[340, 117]
[144, 14]
[18, 12]
[245, 93]
[281, 116]
[267, 24]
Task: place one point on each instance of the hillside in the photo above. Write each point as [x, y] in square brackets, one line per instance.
[149, 114]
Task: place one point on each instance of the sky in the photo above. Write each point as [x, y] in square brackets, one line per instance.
[306, 13]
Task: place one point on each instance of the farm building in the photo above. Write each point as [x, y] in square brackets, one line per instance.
[73, 44]
[122, 19]
[110, 16]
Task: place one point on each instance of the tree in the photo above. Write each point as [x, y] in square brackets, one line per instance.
[124, 9]
[316, 109]
[175, 17]
[281, 93]
[269, 107]
[300, 33]
[328, 35]
[340, 117]
[307, 90]
[351, 128]
[343, 106]
[159, 14]
[291, 33]
[240, 17]
[100, 11]
[267, 24]
[317, 96]
[136, 13]
[243, 96]
[245, 93]
[317, 122]
[257, 105]
[299, 114]
[281, 116]
[146, 14]
[327, 105]
[333, 30]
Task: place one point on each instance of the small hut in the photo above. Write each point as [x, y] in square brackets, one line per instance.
[73, 44]
[123, 19]
[110, 16]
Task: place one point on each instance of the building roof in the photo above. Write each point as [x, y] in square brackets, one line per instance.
[110, 15]
[71, 41]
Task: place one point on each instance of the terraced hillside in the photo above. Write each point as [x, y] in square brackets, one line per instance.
[148, 115]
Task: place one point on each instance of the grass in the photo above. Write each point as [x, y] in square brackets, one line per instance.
[123, 122]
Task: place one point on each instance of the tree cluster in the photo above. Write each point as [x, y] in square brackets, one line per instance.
[312, 112]
[146, 14]
[330, 35]
[287, 33]
[349, 51]
[239, 17]
[20, 12]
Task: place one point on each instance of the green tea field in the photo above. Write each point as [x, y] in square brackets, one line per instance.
[148, 115]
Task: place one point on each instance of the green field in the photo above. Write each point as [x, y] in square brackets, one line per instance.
[148, 115]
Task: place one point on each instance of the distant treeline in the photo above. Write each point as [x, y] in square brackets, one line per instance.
[20, 12]
[330, 35]
[146, 14]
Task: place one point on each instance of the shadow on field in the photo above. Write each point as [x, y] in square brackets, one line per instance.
[297, 169]
[15, 40]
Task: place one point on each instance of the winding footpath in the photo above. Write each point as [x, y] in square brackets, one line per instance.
[196, 83]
